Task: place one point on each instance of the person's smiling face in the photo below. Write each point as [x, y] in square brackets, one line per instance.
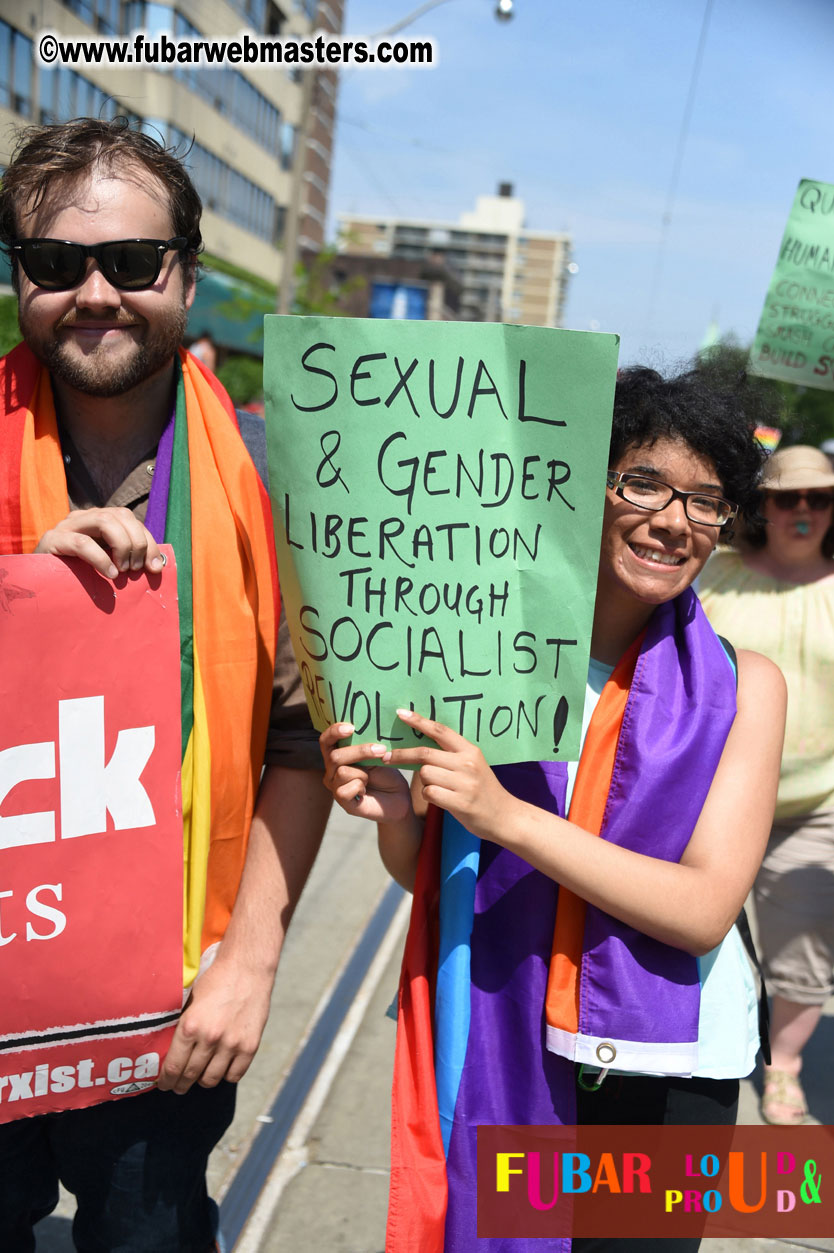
[650, 556]
[96, 338]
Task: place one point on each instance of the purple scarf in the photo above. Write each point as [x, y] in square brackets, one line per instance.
[632, 989]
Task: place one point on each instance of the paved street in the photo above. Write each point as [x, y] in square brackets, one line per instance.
[329, 1187]
[342, 892]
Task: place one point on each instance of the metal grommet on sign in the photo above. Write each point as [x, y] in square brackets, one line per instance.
[606, 1052]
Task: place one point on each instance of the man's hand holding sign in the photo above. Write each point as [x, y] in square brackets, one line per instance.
[111, 540]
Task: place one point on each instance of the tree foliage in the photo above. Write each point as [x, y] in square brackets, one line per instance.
[805, 415]
[243, 378]
[9, 329]
[316, 289]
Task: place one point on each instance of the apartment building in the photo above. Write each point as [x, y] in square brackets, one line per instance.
[241, 123]
[508, 273]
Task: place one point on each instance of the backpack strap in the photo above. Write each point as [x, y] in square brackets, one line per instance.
[731, 655]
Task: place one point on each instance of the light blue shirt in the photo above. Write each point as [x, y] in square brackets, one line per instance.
[728, 1024]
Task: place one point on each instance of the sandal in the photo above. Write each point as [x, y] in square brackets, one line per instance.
[783, 1101]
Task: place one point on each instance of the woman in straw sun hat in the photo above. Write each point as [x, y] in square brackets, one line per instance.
[776, 595]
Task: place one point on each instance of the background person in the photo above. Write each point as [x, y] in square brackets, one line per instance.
[776, 595]
[111, 441]
[674, 757]
[205, 350]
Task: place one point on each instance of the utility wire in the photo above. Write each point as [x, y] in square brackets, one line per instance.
[411, 17]
[372, 177]
[411, 141]
[677, 166]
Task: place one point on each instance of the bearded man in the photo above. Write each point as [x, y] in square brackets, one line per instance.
[113, 440]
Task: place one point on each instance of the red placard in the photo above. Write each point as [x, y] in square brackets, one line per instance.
[91, 875]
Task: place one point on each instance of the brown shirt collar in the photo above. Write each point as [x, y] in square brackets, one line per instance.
[131, 494]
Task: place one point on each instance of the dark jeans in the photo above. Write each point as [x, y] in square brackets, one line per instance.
[641, 1100]
[136, 1166]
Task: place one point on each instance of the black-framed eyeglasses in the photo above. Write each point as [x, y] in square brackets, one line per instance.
[59, 264]
[790, 499]
[652, 494]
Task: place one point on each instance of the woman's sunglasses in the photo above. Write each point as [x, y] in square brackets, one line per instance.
[790, 500]
[59, 264]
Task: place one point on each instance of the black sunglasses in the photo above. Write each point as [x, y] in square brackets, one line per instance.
[59, 264]
[789, 500]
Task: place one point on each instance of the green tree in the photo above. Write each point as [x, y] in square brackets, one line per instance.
[805, 415]
[243, 378]
[9, 329]
[812, 419]
[317, 291]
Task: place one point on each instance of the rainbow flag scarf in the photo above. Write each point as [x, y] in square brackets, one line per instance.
[507, 980]
[205, 486]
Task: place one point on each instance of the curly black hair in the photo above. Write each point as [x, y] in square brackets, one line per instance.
[715, 419]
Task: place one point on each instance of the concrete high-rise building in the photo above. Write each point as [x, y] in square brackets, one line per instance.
[241, 123]
[509, 273]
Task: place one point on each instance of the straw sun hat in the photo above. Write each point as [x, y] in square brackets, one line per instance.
[797, 467]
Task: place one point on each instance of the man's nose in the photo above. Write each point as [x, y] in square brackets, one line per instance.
[95, 291]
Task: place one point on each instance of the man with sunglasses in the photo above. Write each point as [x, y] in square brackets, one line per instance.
[102, 407]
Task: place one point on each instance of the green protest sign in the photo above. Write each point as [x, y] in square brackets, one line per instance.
[795, 339]
[438, 491]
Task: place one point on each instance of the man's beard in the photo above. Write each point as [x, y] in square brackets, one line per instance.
[100, 372]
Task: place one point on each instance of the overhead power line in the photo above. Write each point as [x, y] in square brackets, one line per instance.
[677, 166]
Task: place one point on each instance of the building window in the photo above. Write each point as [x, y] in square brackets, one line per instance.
[253, 10]
[289, 136]
[276, 19]
[230, 93]
[63, 95]
[15, 70]
[280, 223]
[6, 34]
[154, 19]
[225, 190]
[101, 14]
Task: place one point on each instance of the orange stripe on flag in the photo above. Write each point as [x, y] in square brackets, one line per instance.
[235, 621]
[590, 795]
[33, 488]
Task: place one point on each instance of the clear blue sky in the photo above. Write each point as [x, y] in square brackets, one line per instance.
[579, 103]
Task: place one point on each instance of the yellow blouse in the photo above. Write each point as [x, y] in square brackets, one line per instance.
[793, 625]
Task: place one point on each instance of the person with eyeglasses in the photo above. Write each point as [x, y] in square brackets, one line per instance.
[572, 955]
[114, 440]
[774, 592]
